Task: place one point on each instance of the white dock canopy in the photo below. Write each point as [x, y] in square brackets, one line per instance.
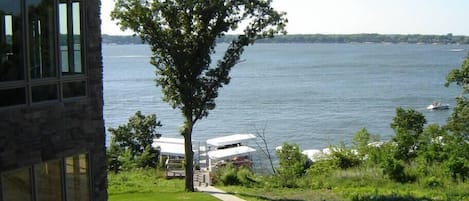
[228, 140]
[169, 140]
[230, 152]
[169, 146]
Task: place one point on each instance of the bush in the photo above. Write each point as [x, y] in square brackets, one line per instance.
[458, 168]
[345, 158]
[293, 165]
[360, 142]
[408, 125]
[148, 158]
[395, 170]
[131, 143]
[321, 168]
[245, 176]
[114, 162]
[433, 182]
[230, 175]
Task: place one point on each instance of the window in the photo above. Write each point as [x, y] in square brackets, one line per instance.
[11, 54]
[44, 93]
[49, 181]
[74, 89]
[41, 34]
[77, 175]
[17, 185]
[14, 96]
[41, 51]
[11, 41]
[70, 37]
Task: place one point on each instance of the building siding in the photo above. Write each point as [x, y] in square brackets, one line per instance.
[47, 131]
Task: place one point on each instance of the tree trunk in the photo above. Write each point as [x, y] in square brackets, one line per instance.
[189, 156]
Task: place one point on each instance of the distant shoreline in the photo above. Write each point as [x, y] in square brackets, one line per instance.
[326, 38]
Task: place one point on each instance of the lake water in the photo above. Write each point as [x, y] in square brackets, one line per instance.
[310, 94]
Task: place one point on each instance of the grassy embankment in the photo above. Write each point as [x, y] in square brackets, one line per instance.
[356, 184]
[149, 185]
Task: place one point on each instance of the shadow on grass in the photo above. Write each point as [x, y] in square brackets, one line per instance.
[359, 198]
[390, 198]
[260, 197]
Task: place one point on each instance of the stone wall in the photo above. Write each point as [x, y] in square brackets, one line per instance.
[43, 132]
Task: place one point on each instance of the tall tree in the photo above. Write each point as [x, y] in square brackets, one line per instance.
[458, 122]
[182, 35]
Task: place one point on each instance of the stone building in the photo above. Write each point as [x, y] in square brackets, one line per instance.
[52, 139]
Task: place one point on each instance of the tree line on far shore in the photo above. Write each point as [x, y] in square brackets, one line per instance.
[327, 38]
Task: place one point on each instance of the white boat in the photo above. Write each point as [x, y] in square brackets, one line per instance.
[438, 106]
[456, 50]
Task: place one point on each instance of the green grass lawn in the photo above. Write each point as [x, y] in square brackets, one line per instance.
[166, 196]
[350, 185]
[282, 194]
[353, 185]
[148, 185]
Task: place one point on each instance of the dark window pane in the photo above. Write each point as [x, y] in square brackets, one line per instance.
[74, 89]
[44, 93]
[77, 178]
[16, 185]
[49, 181]
[11, 41]
[9, 97]
[41, 38]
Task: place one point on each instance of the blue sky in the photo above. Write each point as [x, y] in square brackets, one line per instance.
[359, 16]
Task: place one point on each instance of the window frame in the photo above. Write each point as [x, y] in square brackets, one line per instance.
[59, 79]
[63, 174]
[73, 77]
[70, 37]
[35, 177]
[89, 174]
[31, 182]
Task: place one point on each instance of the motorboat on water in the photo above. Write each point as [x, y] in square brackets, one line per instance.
[438, 106]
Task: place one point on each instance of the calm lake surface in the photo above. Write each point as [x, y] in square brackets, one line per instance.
[310, 94]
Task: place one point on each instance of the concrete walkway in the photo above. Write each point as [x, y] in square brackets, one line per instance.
[215, 192]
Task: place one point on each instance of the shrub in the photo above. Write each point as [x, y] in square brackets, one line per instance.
[360, 142]
[230, 175]
[458, 168]
[148, 158]
[321, 168]
[408, 124]
[432, 143]
[433, 182]
[292, 162]
[395, 170]
[114, 162]
[245, 176]
[131, 143]
[293, 165]
[345, 158]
